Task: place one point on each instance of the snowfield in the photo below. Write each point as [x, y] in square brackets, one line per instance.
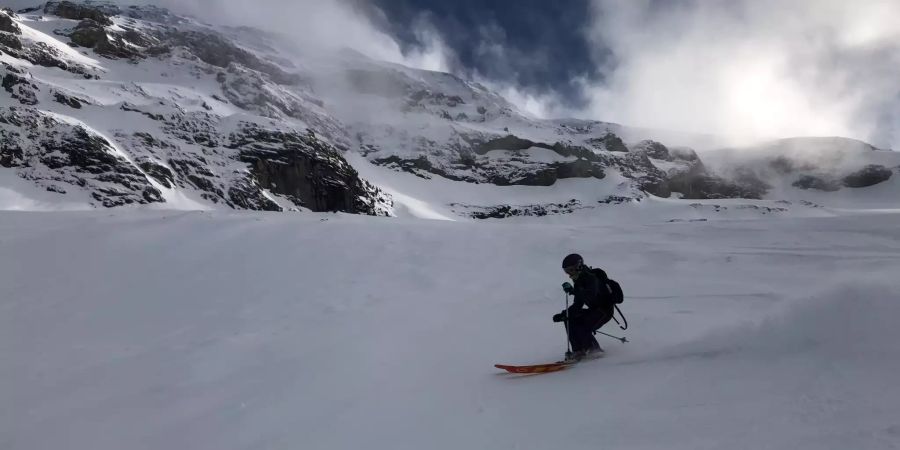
[124, 329]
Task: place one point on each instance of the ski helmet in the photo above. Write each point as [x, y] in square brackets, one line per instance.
[573, 260]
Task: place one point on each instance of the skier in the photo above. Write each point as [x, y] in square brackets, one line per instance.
[580, 322]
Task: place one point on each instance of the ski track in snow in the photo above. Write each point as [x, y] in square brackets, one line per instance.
[225, 330]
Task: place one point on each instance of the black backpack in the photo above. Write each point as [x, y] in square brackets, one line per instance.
[611, 293]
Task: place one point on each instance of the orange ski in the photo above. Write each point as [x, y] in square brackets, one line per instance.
[535, 368]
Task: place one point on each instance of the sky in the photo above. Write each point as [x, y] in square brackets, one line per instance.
[742, 69]
[745, 69]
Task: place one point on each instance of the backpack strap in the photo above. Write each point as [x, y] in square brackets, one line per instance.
[623, 318]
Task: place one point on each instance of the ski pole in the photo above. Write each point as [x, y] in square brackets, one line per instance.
[568, 347]
[622, 339]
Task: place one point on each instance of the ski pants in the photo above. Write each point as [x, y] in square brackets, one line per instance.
[581, 327]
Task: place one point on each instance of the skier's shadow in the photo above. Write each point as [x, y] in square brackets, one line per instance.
[517, 376]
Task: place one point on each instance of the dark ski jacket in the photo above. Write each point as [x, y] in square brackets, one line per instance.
[587, 290]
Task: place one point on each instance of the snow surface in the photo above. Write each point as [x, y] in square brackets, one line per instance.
[32, 31]
[129, 329]
[532, 154]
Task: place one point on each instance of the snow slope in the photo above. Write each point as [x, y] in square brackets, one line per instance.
[216, 330]
[118, 127]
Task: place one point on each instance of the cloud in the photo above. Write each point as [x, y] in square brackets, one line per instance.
[321, 25]
[431, 53]
[750, 69]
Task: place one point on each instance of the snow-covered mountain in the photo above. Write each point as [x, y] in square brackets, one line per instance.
[109, 106]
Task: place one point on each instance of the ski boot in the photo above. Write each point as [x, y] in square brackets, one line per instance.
[573, 357]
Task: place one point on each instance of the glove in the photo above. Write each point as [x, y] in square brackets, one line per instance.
[567, 288]
[561, 317]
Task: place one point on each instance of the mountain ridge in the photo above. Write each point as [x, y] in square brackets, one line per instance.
[148, 106]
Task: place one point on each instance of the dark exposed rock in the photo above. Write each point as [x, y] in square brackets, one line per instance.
[10, 42]
[149, 141]
[575, 151]
[421, 96]
[300, 169]
[505, 211]
[209, 47]
[83, 150]
[88, 33]
[814, 182]
[587, 165]
[197, 174]
[27, 10]
[581, 168]
[537, 210]
[70, 101]
[81, 11]
[545, 176]
[763, 210]
[653, 150]
[160, 173]
[92, 34]
[11, 152]
[247, 195]
[509, 142]
[132, 108]
[511, 167]
[697, 183]
[194, 128]
[514, 143]
[303, 169]
[609, 142]
[53, 154]
[190, 168]
[711, 187]
[10, 80]
[867, 176]
[204, 184]
[416, 166]
[648, 177]
[42, 54]
[152, 13]
[46, 56]
[617, 200]
[217, 51]
[7, 24]
[20, 88]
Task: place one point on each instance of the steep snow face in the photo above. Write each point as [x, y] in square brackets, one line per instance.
[211, 330]
[139, 107]
[435, 124]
